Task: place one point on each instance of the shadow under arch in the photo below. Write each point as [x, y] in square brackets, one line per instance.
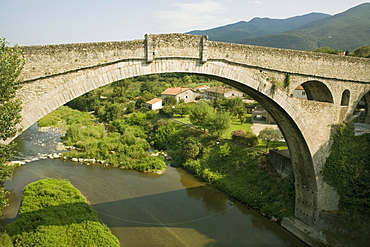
[345, 98]
[361, 108]
[317, 91]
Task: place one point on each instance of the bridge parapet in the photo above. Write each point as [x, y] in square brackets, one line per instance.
[55, 59]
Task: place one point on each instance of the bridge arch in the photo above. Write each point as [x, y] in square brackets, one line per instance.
[345, 98]
[318, 91]
[288, 117]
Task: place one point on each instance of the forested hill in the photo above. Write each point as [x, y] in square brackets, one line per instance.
[348, 30]
[238, 32]
[345, 31]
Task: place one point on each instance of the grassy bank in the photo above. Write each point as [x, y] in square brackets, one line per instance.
[54, 213]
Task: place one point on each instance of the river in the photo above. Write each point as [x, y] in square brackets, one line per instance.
[171, 209]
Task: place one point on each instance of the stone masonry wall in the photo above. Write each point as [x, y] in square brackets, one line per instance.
[49, 60]
[46, 60]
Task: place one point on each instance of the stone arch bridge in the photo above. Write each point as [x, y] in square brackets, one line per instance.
[55, 74]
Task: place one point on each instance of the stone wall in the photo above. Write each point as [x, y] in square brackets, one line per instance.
[47, 60]
[53, 59]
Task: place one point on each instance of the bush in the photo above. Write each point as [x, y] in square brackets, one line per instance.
[54, 213]
[245, 138]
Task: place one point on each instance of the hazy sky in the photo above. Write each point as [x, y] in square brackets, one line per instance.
[34, 22]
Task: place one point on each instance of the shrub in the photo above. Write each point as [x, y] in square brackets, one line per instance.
[54, 213]
[245, 138]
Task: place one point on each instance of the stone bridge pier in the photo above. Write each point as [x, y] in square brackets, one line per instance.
[55, 74]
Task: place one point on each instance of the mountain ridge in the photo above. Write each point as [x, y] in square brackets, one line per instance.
[347, 30]
[237, 32]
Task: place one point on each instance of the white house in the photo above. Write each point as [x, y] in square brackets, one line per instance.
[299, 93]
[220, 92]
[154, 104]
[180, 93]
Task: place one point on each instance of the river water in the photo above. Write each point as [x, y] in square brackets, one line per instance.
[171, 209]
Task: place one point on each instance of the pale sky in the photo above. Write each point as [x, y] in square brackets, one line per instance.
[40, 22]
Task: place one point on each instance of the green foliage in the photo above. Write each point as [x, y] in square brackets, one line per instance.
[202, 115]
[245, 138]
[224, 150]
[191, 148]
[363, 51]
[218, 122]
[327, 50]
[182, 109]
[270, 134]
[199, 114]
[64, 116]
[236, 171]
[165, 136]
[287, 80]
[169, 101]
[347, 169]
[11, 65]
[54, 213]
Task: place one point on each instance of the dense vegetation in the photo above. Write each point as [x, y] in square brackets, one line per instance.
[348, 171]
[54, 213]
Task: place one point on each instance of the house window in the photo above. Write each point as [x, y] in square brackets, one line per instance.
[303, 93]
[186, 97]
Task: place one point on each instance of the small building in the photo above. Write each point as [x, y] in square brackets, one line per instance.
[201, 88]
[260, 115]
[154, 104]
[180, 93]
[220, 92]
[299, 92]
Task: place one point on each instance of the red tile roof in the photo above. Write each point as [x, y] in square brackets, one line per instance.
[175, 90]
[153, 101]
[204, 86]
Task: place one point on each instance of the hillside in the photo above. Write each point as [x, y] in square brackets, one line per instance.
[238, 32]
[345, 31]
[348, 30]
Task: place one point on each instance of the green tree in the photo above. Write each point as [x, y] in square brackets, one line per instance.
[327, 50]
[182, 109]
[191, 148]
[363, 51]
[169, 100]
[270, 134]
[199, 115]
[113, 112]
[11, 64]
[234, 105]
[217, 122]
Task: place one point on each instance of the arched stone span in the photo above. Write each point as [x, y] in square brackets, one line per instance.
[316, 90]
[57, 74]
